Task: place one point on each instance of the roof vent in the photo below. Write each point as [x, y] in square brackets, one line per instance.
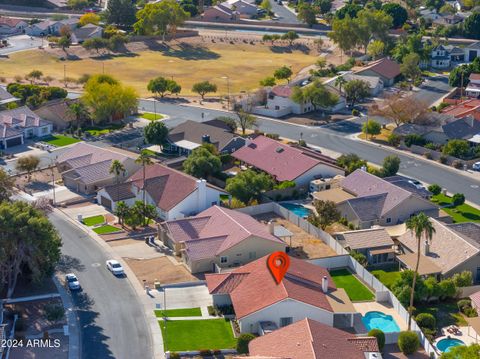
[279, 150]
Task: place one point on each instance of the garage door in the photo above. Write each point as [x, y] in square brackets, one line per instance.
[106, 202]
[14, 142]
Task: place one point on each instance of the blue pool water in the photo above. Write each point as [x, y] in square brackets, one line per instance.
[379, 320]
[297, 209]
[444, 345]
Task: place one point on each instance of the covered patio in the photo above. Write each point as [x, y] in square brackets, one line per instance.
[426, 266]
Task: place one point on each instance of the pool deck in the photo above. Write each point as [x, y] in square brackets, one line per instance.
[364, 307]
[466, 337]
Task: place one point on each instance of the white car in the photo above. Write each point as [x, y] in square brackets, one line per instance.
[417, 184]
[476, 166]
[115, 267]
[72, 281]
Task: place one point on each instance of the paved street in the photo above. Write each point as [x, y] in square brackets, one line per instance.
[20, 43]
[111, 317]
[285, 15]
[432, 89]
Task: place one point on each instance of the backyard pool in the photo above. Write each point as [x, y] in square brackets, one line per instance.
[297, 209]
[379, 320]
[444, 345]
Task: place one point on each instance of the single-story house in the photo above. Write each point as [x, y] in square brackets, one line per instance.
[220, 13]
[306, 291]
[447, 20]
[463, 109]
[11, 26]
[367, 200]
[286, 163]
[473, 87]
[57, 112]
[88, 31]
[310, 339]
[410, 185]
[242, 7]
[219, 237]
[52, 27]
[454, 248]
[187, 136]
[375, 244]
[19, 124]
[6, 97]
[86, 168]
[173, 193]
[375, 83]
[386, 69]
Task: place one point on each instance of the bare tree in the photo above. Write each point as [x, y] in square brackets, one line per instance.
[401, 110]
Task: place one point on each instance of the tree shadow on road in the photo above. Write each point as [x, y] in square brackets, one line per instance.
[68, 264]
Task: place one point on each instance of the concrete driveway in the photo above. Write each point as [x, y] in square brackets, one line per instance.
[20, 43]
[185, 297]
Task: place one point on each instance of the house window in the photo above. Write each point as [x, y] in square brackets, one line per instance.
[223, 259]
[389, 220]
[285, 321]
[44, 129]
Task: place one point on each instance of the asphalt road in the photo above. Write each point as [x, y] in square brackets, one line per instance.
[432, 89]
[112, 322]
[285, 15]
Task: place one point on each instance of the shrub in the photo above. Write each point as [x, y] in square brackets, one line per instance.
[463, 304]
[174, 355]
[427, 155]
[435, 189]
[54, 312]
[343, 221]
[430, 146]
[205, 352]
[463, 279]
[443, 159]
[379, 335]
[302, 143]
[211, 311]
[471, 312]
[457, 164]
[458, 199]
[393, 139]
[285, 184]
[448, 289]
[408, 342]
[351, 226]
[414, 139]
[355, 112]
[242, 342]
[426, 320]
[273, 136]
[359, 257]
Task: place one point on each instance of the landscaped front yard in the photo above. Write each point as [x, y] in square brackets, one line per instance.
[356, 291]
[106, 229]
[183, 335]
[60, 140]
[462, 213]
[184, 312]
[94, 220]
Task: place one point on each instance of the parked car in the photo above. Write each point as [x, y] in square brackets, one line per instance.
[476, 166]
[72, 281]
[416, 183]
[115, 267]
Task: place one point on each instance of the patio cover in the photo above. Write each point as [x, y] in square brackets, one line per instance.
[381, 251]
[426, 266]
[475, 324]
[281, 232]
[396, 231]
[188, 145]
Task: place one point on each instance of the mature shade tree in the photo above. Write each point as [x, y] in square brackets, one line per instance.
[410, 67]
[189, 7]
[290, 36]
[268, 81]
[245, 121]
[397, 13]
[96, 43]
[29, 243]
[144, 160]
[471, 351]
[204, 87]
[327, 214]
[89, 18]
[421, 227]
[391, 165]
[344, 33]
[376, 49]
[116, 42]
[156, 133]
[35, 95]
[266, 5]
[323, 6]
[471, 26]
[401, 110]
[315, 93]
[349, 10]
[121, 12]
[459, 75]
[350, 162]
[27, 164]
[6, 185]
[161, 85]
[371, 25]
[249, 185]
[202, 163]
[307, 14]
[118, 169]
[372, 128]
[356, 91]
[283, 73]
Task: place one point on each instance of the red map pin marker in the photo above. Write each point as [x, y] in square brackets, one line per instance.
[278, 263]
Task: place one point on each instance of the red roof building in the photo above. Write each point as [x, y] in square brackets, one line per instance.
[464, 109]
[388, 70]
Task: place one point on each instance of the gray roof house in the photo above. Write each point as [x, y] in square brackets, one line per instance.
[6, 97]
[375, 83]
[52, 27]
[89, 31]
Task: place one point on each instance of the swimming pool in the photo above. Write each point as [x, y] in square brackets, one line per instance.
[444, 345]
[379, 320]
[297, 209]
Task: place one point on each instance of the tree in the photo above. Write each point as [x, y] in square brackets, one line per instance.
[6, 185]
[410, 67]
[321, 62]
[356, 91]
[372, 128]
[116, 42]
[471, 351]
[458, 199]
[249, 185]
[144, 160]
[27, 164]
[398, 14]
[290, 36]
[34, 76]
[266, 5]
[306, 13]
[420, 226]
[78, 111]
[435, 189]
[120, 12]
[121, 211]
[408, 342]
[229, 122]
[245, 120]
[65, 42]
[376, 49]
[242, 342]
[89, 18]
[323, 6]
[456, 148]
[371, 25]
[160, 18]
[95, 43]
[447, 9]
[77, 4]
[379, 335]
[340, 82]
[202, 163]
[327, 214]
[315, 93]
[117, 168]
[391, 165]
[268, 81]
[204, 87]
[344, 33]
[471, 26]
[351, 162]
[283, 73]
[161, 85]
[135, 217]
[401, 110]
[30, 244]
[463, 279]
[190, 7]
[156, 133]
[359, 257]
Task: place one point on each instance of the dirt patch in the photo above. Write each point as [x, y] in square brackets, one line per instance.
[38, 181]
[304, 245]
[316, 119]
[160, 269]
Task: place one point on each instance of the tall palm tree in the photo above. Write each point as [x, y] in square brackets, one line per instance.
[144, 160]
[420, 226]
[78, 111]
[340, 81]
[118, 169]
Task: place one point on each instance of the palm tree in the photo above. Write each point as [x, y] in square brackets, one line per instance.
[144, 160]
[118, 169]
[421, 226]
[121, 212]
[340, 81]
[78, 111]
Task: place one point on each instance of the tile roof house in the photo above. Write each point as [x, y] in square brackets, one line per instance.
[219, 237]
[369, 200]
[463, 109]
[306, 291]
[473, 87]
[220, 13]
[52, 27]
[10, 25]
[243, 8]
[286, 163]
[86, 168]
[375, 83]
[388, 70]
[309, 339]
[88, 31]
[19, 124]
[453, 249]
[174, 193]
[187, 136]
[57, 112]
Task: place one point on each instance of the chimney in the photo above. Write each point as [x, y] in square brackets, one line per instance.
[202, 195]
[364, 168]
[248, 141]
[325, 284]
[426, 247]
[205, 138]
[271, 227]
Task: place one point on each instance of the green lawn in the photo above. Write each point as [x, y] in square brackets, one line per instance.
[462, 213]
[355, 289]
[92, 221]
[106, 229]
[387, 276]
[445, 313]
[103, 130]
[184, 312]
[183, 335]
[152, 116]
[59, 140]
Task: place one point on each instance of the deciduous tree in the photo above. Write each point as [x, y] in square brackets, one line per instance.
[248, 185]
[120, 12]
[156, 133]
[327, 214]
[283, 73]
[27, 164]
[161, 86]
[202, 163]
[204, 87]
[356, 91]
[89, 18]
[401, 110]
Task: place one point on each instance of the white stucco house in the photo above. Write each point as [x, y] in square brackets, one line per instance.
[11, 26]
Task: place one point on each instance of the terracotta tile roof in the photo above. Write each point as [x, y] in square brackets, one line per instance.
[367, 238]
[384, 67]
[257, 288]
[283, 162]
[9, 21]
[474, 77]
[21, 117]
[463, 108]
[282, 91]
[309, 339]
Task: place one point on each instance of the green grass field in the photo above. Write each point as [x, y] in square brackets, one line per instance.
[184, 312]
[356, 291]
[98, 131]
[59, 140]
[152, 116]
[462, 213]
[92, 221]
[387, 276]
[183, 335]
[106, 229]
